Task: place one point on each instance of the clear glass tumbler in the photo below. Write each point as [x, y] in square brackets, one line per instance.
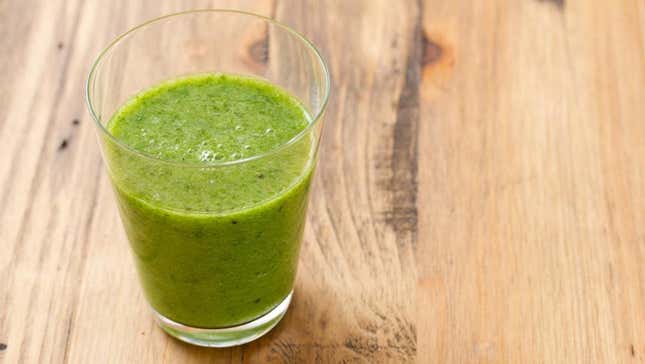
[217, 266]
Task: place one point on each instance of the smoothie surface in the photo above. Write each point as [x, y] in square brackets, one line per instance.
[210, 117]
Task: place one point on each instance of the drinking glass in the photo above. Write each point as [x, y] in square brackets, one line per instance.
[216, 266]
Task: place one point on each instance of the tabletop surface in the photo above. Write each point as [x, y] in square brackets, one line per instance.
[480, 196]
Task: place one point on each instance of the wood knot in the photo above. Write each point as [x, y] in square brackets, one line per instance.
[254, 49]
[438, 60]
[3, 346]
[259, 51]
[432, 51]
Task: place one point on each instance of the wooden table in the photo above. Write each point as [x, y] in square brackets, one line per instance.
[480, 198]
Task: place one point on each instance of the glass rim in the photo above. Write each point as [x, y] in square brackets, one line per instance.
[314, 120]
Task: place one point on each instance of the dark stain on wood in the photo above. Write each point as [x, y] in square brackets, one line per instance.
[366, 347]
[75, 122]
[406, 338]
[403, 182]
[285, 350]
[632, 350]
[432, 51]
[560, 4]
[3, 346]
[369, 347]
[60, 45]
[63, 144]
[370, 327]
[323, 323]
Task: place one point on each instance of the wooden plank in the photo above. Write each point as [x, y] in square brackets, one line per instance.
[532, 190]
[68, 290]
[362, 308]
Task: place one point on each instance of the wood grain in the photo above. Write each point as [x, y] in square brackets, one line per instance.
[480, 197]
[531, 183]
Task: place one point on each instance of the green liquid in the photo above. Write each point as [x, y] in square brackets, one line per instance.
[215, 245]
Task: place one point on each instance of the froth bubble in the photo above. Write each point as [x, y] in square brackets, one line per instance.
[206, 156]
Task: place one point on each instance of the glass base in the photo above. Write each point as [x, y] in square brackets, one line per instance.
[228, 336]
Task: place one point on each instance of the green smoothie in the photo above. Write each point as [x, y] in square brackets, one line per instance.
[213, 194]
